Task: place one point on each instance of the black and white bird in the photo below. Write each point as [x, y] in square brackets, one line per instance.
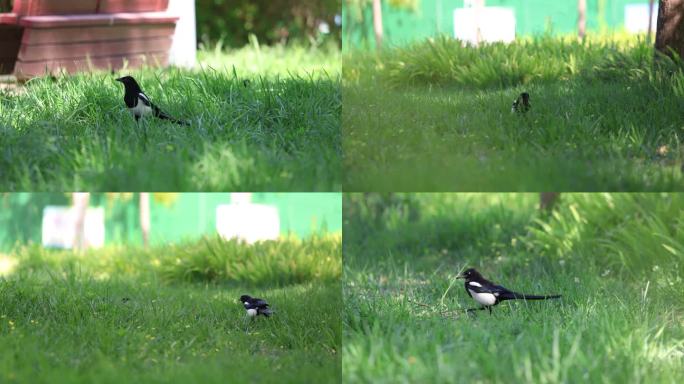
[255, 306]
[489, 294]
[521, 103]
[139, 104]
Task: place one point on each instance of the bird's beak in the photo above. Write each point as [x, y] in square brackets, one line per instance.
[120, 79]
[460, 276]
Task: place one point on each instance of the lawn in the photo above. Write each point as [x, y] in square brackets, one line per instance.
[615, 258]
[171, 314]
[436, 116]
[280, 132]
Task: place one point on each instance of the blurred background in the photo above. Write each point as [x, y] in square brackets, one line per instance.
[631, 235]
[398, 22]
[270, 21]
[93, 220]
[175, 32]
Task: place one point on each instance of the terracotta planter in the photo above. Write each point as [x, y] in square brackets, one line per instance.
[77, 7]
[80, 42]
[115, 6]
[52, 35]
[54, 7]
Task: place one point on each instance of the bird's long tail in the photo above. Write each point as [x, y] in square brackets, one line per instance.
[522, 296]
[162, 115]
[265, 311]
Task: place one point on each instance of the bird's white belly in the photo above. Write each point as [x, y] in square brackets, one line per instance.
[251, 312]
[483, 298]
[141, 109]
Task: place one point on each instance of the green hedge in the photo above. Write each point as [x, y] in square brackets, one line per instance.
[210, 259]
[271, 21]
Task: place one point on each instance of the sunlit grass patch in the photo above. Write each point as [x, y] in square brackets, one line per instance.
[287, 261]
[436, 116]
[282, 262]
[272, 61]
[7, 264]
[129, 314]
[248, 130]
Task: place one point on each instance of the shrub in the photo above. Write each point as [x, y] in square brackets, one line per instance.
[271, 21]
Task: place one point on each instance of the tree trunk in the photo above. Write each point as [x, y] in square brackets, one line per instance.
[670, 28]
[145, 217]
[547, 200]
[80, 205]
[581, 18]
[377, 23]
[478, 5]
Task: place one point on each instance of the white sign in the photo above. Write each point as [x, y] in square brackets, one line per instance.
[248, 222]
[480, 24]
[636, 17]
[59, 227]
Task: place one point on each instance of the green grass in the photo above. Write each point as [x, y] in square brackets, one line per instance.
[64, 318]
[280, 133]
[615, 258]
[603, 117]
[278, 60]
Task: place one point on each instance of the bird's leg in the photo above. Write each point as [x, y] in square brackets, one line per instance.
[144, 136]
[490, 310]
[245, 323]
[137, 129]
[474, 309]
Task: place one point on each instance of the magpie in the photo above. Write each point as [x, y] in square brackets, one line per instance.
[139, 104]
[489, 294]
[255, 306]
[522, 103]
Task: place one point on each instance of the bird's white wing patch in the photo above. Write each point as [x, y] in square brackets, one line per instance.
[246, 302]
[142, 108]
[144, 98]
[475, 284]
[483, 298]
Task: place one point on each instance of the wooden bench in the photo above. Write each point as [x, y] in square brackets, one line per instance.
[48, 36]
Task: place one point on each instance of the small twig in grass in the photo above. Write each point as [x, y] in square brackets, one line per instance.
[451, 284]
[445, 313]
[417, 303]
[428, 306]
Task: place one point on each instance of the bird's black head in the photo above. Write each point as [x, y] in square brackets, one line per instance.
[244, 298]
[469, 274]
[129, 82]
[525, 97]
[126, 79]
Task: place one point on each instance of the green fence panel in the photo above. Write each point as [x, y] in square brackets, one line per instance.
[174, 217]
[435, 17]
